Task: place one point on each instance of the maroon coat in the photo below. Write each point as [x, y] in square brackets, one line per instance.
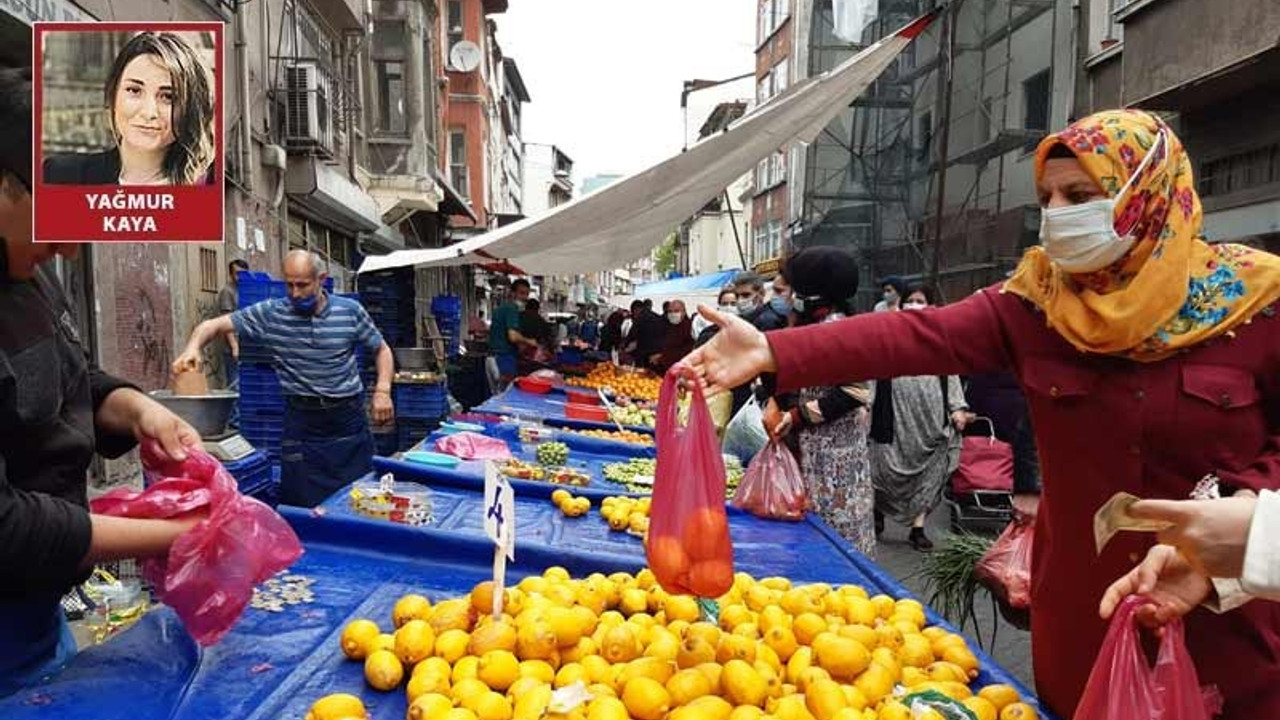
[1103, 425]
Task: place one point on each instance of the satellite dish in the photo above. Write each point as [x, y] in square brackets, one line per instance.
[465, 56]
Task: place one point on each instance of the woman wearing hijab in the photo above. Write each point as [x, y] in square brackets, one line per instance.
[1150, 358]
[911, 469]
[832, 421]
[678, 340]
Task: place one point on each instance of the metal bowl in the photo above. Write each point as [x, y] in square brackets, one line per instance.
[414, 358]
[208, 414]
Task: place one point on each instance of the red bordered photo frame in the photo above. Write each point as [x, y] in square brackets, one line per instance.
[62, 213]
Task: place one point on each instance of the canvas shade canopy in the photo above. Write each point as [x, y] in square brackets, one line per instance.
[627, 219]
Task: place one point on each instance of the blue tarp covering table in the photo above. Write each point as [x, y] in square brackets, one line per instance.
[274, 665]
[547, 408]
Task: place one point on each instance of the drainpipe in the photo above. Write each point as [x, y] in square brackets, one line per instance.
[242, 79]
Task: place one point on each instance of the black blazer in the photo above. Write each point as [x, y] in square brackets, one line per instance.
[100, 168]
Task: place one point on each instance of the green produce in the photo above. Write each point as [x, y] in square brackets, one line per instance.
[553, 453]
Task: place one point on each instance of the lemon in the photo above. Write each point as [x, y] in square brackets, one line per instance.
[889, 636]
[1000, 696]
[607, 708]
[843, 657]
[682, 607]
[664, 646]
[532, 705]
[962, 656]
[790, 707]
[410, 607]
[523, 685]
[466, 690]
[414, 642]
[428, 707]
[491, 706]
[555, 572]
[338, 706]
[860, 611]
[889, 659]
[601, 690]
[735, 647]
[536, 641]
[1018, 711]
[435, 666]
[620, 645]
[566, 625]
[862, 633]
[782, 641]
[383, 671]
[688, 685]
[646, 699]
[357, 636]
[704, 631]
[498, 669]
[559, 496]
[694, 651]
[451, 645]
[456, 614]
[650, 667]
[384, 641]
[746, 712]
[540, 670]
[426, 683]
[982, 708]
[851, 714]
[633, 601]
[732, 616]
[598, 669]
[808, 626]
[459, 714]
[465, 669]
[742, 684]
[913, 676]
[825, 698]
[570, 674]
[916, 651]
[894, 710]
[854, 697]
[499, 635]
[714, 673]
[943, 671]
[875, 683]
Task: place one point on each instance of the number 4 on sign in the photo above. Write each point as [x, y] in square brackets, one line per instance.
[500, 526]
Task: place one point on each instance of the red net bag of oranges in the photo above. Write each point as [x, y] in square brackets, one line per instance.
[688, 547]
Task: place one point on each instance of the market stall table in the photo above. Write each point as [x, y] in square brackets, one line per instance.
[548, 408]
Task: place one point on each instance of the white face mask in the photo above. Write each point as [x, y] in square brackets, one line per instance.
[1082, 238]
[728, 309]
[675, 318]
[746, 305]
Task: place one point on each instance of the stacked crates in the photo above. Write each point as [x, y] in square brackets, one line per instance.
[420, 407]
[389, 299]
[447, 310]
[254, 476]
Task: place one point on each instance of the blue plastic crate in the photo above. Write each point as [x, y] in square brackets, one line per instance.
[412, 432]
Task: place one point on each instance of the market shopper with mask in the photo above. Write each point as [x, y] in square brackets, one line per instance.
[892, 289]
[752, 306]
[312, 337]
[1150, 359]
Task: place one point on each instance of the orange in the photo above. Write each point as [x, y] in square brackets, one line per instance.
[711, 578]
[706, 535]
[667, 558]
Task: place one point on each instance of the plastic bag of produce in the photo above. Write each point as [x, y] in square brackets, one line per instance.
[211, 570]
[473, 446]
[1123, 687]
[773, 486]
[1006, 568]
[745, 435]
[688, 547]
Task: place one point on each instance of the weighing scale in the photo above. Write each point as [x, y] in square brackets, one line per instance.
[229, 446]
[208, 414]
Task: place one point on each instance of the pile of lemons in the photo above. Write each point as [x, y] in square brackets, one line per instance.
[624, 513]
[630, 651]
[569, 505]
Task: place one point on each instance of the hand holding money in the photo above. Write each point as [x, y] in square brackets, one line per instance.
[1117, 514]
[1211, 534]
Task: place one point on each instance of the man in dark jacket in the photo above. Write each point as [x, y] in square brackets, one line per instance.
[56, 411]
[648, 334]
[752, 305]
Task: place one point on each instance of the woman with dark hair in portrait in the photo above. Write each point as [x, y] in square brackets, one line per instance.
[159, 100]
[831, 422]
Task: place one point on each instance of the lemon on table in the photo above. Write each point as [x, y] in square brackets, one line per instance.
[742, 684]
[532, 705]
[646, 699]
[338, 706]
[451, 645]
[498, 669]
[491, 706]
[459, 714]
[688, 685]
[981, 707]
[410, 607]
[383, 671]
[1018, 711]
[745, 712]
[607, 708]
[1000, 695]
[426, 683]
[357, 637]
[415, 641]
[495, 635]
[428, 707]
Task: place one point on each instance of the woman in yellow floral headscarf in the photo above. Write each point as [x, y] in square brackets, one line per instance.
[1150, 360]
[1171, 290]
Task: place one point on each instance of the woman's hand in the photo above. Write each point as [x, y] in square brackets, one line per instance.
[737, 354]
[960, 419]
[156, 421]
[1211, 534]
[1167, 579]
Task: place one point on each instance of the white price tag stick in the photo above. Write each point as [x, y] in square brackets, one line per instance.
[499, 525]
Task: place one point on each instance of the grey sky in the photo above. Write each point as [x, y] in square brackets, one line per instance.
[605, 75]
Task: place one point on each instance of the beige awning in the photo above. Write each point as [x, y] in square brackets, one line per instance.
[625, 220]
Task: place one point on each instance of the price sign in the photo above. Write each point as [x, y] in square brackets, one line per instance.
[500, 526]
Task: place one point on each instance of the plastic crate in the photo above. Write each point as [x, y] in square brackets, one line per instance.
[263, 432]
[254, 287]
[420, 401]
[412, 432]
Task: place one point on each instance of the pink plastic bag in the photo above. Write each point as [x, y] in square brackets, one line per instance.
[688, 546]
[211, 570]
[473, 446]
[1123, 687]
[1005, 569]
[773, 486]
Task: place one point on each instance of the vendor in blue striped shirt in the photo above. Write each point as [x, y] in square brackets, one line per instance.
[312, 338]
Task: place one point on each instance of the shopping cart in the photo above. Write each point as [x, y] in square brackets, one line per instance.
[981, 491]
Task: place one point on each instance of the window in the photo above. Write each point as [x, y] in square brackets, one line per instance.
[762, 89]
[773, 13]
[781, 71]
[458, 162]
[925, 145]
[1035, 105]
[762, 175]
[1240, 171]
[388, 47]
[760, 243]
[454, 21]
[209, 270]
[779, 162]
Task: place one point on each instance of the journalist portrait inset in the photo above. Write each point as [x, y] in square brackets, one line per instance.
[159, 106]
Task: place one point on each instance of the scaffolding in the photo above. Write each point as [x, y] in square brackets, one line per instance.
[932, 137]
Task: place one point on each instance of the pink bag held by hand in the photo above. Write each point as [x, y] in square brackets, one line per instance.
[211, 570]
[773, 487]
[688, 546]
[1123, 687]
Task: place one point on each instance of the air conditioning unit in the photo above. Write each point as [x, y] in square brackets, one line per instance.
[308, 109]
